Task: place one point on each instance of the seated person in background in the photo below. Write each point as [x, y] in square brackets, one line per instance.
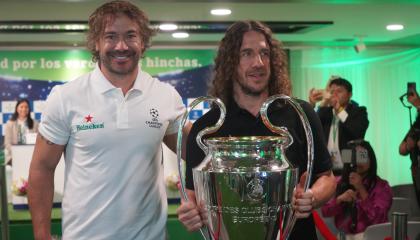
[17, 126]
[411, 145]
[341, 118]
[362, 201]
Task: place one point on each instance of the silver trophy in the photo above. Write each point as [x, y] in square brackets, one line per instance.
[244, 186]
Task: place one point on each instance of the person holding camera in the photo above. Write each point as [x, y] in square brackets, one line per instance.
[343, 120]
[411, 144]
[362, 198]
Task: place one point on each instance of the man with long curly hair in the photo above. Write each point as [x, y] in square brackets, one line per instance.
[250, 66]
[109, 124]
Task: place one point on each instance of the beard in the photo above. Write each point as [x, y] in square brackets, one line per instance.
[115, 68]
[247, 89]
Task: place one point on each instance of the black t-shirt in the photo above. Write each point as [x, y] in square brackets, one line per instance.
[414, 133]
[240, 122]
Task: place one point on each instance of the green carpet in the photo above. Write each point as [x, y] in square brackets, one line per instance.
[24, 215]
[21, 227]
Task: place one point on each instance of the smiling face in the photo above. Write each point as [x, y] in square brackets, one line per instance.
[253, 72]
[120, 47]
[22, 110]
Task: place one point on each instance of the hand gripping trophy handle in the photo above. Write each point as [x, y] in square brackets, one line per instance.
[282, 131]
[205, 131]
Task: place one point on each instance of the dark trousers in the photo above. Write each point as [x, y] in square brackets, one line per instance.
[415, 173]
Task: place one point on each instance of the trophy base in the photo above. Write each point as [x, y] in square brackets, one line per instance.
[246, 205]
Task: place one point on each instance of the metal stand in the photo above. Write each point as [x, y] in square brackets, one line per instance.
[341, 235]
[3, 198]
[399, 226]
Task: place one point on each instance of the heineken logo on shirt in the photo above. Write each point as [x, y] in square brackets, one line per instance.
[88, 118]
[89, 124]
[154, 113]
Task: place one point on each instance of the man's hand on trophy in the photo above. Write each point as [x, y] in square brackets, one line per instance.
[203, 212]
[302, 201]
[189, 215]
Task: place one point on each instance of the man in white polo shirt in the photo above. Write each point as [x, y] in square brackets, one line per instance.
[109, 124]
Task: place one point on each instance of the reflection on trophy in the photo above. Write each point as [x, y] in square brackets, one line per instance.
[245, 185]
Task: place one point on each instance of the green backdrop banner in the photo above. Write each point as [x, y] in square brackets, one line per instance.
[32, 74]
[64, 65]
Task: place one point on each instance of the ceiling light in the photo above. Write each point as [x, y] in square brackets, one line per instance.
[168, 27]
[395, 27]
[75, 27]
[221, 12]
[180, 35]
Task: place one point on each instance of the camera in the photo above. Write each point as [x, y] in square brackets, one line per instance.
[351, 156]
[349, 166]
[360, 157]
[411, 89]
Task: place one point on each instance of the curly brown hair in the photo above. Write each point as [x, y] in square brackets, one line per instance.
[107, 13]
[227, 61]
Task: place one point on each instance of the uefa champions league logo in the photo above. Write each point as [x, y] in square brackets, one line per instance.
[154, 113]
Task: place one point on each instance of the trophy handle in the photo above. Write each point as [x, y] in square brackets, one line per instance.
[204, 231]
[203, 132]
[282, 131]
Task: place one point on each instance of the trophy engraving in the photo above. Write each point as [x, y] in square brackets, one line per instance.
[245, 184]
[255, 189]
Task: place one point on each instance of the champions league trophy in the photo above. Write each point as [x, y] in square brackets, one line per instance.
[244, 186]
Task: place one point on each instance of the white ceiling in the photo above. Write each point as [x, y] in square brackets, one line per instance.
[366, 18]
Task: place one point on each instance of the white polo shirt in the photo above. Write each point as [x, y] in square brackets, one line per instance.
[113, 185]
[333, 139]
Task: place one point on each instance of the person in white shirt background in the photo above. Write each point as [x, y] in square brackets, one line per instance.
[17, 127]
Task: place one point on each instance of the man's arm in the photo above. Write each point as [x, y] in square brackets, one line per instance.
[406, 146]
[320, 192]
[41, 185]
[171, 140]
[323, 188]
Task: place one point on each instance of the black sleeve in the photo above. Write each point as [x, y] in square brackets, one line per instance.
[194, 154]
[356, 123]
[414, 129]
[417, 122]
[322, 159]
